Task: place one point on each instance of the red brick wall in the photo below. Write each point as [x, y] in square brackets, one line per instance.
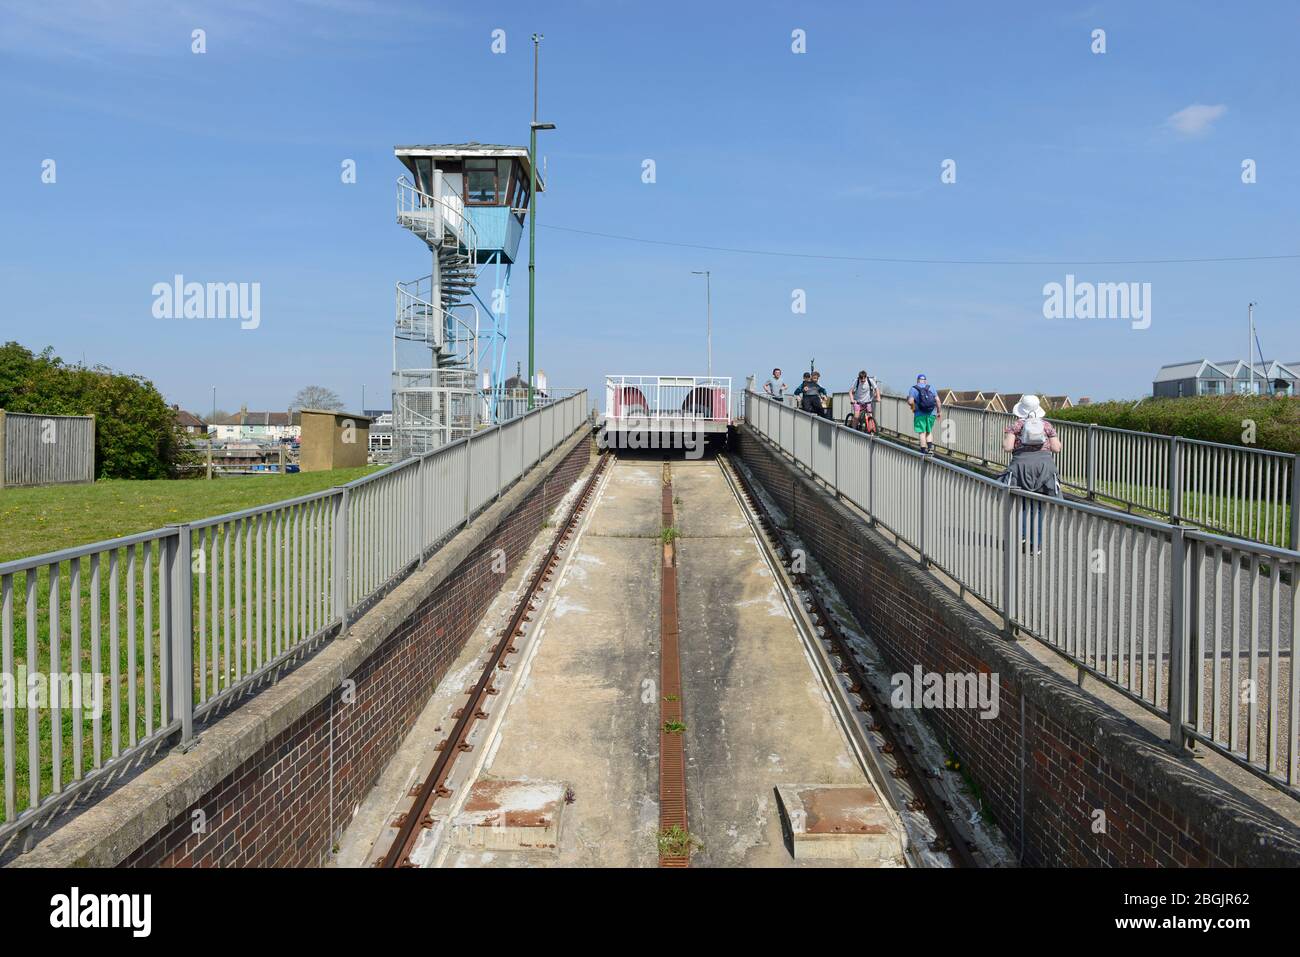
[276, 809]
[1071, 755]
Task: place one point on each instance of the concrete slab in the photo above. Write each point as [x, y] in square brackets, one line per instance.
[837, 823]
[583, 714]
[756, 715]
[503, 815]
[629, 504]
[704, 506]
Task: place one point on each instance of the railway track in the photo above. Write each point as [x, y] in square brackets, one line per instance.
[897, 756]
[417, 818]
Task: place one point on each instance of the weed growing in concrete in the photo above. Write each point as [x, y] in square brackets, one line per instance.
[670, 535]
[673, 726]
[675, 841]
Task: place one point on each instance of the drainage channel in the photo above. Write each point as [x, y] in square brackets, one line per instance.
[674, 841]
[896, 753]
[418, 817]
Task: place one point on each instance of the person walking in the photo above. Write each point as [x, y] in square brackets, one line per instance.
[1032, 441]
[926, 411]
[774, 386]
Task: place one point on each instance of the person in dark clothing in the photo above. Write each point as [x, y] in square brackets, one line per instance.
[812, 396]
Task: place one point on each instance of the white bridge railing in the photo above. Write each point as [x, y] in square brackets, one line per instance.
[668, 397]
[1196, 627]
[112, 651]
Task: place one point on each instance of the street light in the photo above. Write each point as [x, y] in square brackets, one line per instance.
[708, 314]
[533, 127]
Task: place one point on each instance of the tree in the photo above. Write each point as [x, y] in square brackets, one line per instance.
[316, 397]
[136, 435]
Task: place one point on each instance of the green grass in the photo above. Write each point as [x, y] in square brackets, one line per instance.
[34, 521]
[38, 520]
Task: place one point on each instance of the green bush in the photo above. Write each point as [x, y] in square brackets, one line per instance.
[136, 436]
[1213, 418]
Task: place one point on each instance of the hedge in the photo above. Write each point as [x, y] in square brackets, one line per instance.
[1214, 418]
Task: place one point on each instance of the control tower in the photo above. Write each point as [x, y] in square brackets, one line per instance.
[467, 202]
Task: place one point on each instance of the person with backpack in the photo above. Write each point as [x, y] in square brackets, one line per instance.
[1032, 441]
[864, 393]
[926, 411]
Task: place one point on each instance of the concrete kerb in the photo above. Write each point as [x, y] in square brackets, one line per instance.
[1257, 834]
[110, 830]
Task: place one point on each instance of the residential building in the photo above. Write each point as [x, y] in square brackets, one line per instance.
[188, 422]
[1228, 377]
[258, 426]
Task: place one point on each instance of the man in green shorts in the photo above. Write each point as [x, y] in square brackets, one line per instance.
[925, 412]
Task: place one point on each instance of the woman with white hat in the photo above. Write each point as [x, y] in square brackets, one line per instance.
[1032, 440]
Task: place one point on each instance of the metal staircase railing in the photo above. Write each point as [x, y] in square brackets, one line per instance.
[434, 218]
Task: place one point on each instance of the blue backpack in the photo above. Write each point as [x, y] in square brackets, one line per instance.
[925, 401]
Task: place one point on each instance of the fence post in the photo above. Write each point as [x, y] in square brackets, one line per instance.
[181, 637]
[469, 471]
[1090, 461]
[419, 510]
[920, 538]
[984, 437]
[871, 478]
[1293, 542]
[1175, 481]
[835, 459]
[2, 448]
[501, 456]
[1177, 622]
[1008, 553]
[341, 509]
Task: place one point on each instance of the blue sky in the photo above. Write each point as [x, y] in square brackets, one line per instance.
[225, 167]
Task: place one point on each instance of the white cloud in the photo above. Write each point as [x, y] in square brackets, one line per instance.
[1195, 120]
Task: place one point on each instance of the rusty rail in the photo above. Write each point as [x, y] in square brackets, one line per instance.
[456, 743]
[672, 754]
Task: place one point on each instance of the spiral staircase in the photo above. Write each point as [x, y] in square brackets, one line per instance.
[436, 335]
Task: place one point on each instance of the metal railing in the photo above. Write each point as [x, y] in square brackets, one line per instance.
[1242, 492]
[1185, 622]
[146, 634]
[432, 217]
[668, 397]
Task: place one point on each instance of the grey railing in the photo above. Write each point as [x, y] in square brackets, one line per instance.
[1243, 492]
[145, 635]
[1195, 627]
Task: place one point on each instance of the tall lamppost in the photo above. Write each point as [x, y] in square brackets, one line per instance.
[708, 314]
[533, 127]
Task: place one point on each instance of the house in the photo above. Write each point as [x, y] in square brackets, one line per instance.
[1229, 377]
[188, 422]
[259, 426]
[980, 401]
[1270, 378]
[1055, 403]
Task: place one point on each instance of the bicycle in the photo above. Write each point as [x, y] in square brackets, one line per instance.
[861, 418]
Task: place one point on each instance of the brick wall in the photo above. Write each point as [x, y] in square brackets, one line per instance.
[276, 810]
[1053, 756]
